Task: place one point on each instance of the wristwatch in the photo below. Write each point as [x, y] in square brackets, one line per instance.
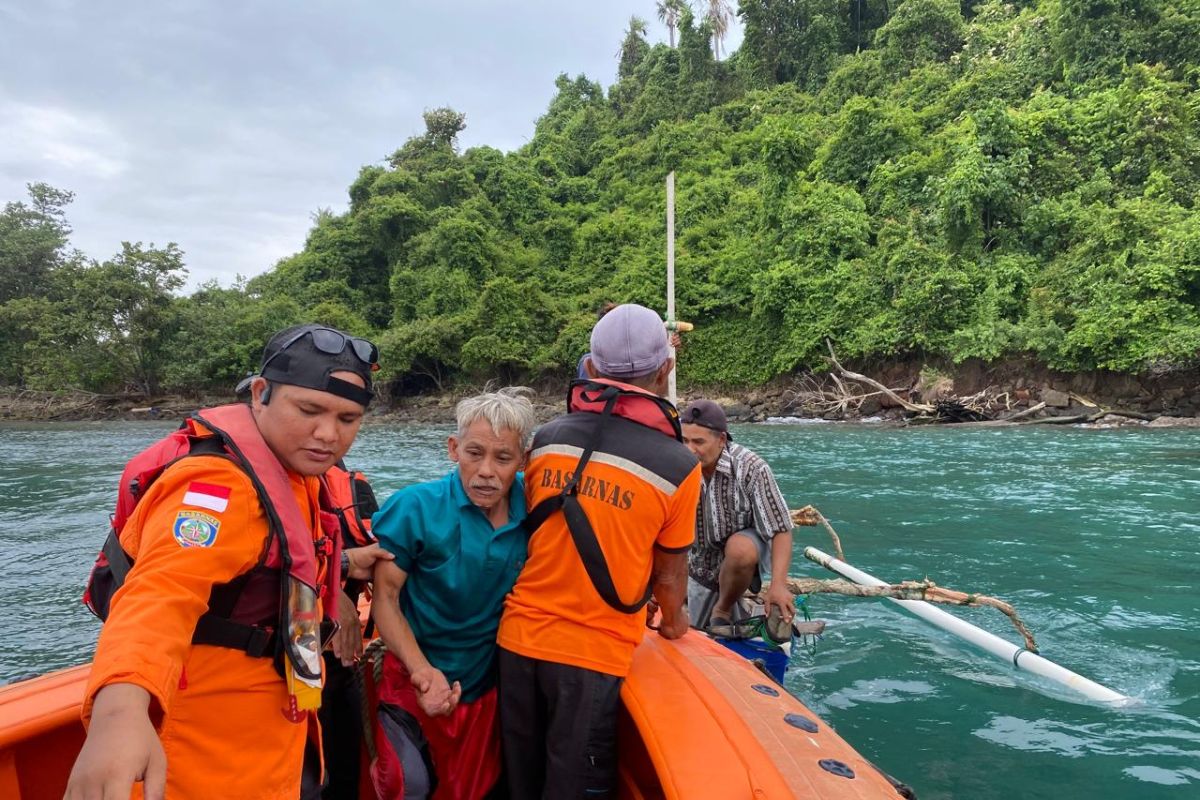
[345, 563]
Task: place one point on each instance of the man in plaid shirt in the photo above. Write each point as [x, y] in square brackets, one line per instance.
[743, 526]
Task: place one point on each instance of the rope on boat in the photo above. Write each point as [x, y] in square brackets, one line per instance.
[372, 659]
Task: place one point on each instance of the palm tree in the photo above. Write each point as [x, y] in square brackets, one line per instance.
[669, 12]
[719, 15]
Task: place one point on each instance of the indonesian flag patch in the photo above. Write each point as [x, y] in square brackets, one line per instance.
[207, 495]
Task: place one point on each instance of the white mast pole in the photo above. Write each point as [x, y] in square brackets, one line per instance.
[671, 393]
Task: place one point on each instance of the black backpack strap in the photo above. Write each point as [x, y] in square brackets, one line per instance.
[541, 512]
[593, 558]
[215, 626]
[252, 640]
[365, 504]
[118, 559]
[582, 533]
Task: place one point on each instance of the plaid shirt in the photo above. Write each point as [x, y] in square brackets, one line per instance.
[742, 493]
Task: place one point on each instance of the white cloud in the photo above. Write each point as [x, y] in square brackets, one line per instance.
[57, 139]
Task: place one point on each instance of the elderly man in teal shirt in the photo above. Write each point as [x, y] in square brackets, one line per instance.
[459, 545]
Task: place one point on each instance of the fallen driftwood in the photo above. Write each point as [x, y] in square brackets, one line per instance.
[1015, 419]
[976, 409]
[1116, 413]
[895, 398]
[979, 410]
[814, 397]
[1072, 420]
[1026, 413]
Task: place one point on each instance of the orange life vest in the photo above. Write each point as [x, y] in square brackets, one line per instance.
[269, 611]
[605, 399]
[353, 502]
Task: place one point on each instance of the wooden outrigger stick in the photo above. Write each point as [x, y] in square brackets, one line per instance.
[809, 516]
[915, 597]
[925, 589]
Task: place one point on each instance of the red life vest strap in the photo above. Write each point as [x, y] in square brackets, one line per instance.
[632, 403]
[272, 484]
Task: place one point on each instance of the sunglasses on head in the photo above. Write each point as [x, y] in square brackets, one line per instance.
[332, 342]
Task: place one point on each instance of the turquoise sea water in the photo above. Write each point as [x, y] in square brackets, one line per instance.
[1094, 536]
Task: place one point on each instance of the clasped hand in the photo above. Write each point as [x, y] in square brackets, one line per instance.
[435, 695]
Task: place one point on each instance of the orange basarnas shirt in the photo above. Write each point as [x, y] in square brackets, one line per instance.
[223, 723]
[639, 491]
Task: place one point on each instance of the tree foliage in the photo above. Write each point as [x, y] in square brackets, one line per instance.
[33, 236]
[923, 178]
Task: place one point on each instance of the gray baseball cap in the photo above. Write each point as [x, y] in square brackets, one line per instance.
[629, 342]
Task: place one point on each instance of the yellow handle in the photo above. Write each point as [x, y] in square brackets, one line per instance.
[679, 327]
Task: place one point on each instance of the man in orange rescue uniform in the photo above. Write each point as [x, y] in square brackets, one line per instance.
[612, 494]
[192, 702]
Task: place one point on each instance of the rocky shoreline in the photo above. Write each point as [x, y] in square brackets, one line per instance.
[1012, 390]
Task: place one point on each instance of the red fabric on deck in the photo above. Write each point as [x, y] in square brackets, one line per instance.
[465, 744]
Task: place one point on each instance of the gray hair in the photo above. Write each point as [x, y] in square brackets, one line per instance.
[505, 409]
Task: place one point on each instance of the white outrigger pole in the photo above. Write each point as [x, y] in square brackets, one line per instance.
[1019, 657]
[671, 393]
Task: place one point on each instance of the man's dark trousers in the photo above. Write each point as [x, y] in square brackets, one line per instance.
[558, 729]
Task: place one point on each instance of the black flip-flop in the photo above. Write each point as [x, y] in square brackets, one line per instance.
[724, 628]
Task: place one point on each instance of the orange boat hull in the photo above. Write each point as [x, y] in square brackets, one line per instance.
[700, 721]
[40, 733]
[697, 722]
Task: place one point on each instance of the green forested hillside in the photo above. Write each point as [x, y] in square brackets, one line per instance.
[921, 179]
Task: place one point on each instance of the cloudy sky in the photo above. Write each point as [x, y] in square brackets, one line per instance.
[222, 125]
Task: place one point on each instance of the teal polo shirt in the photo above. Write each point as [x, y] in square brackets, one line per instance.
[459, 570]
